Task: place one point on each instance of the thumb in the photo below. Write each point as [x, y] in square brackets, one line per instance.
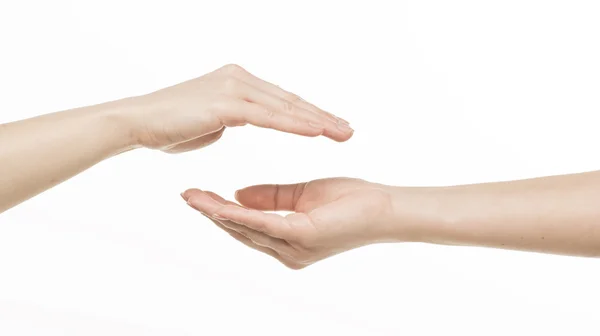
[271, 197]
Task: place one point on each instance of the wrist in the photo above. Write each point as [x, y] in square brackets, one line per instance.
[116, 117]
[417, 213]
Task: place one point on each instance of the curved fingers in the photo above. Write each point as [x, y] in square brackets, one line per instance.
[216, 207]
[250, 243]
[271, 197]
[271, 224]
[259, 238]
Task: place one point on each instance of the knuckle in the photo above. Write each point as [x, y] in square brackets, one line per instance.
[293, 98]
[298, 191]
[288, 106]
[231, 85]
[232, 69]
[268, 118]
[257, 225]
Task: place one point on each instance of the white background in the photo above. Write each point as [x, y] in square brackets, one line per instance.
[439, 92]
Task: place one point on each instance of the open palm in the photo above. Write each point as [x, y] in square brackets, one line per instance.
[327, 217]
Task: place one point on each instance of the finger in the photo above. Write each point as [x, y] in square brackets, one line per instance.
[287, 96]
[259, 238]
[205, 203]
[186, 195]
[191, 192]
[336, 130]
[271, 197]
[219, 198]
[248, 242]
[240, 112]
[195, 144]
[268, 223]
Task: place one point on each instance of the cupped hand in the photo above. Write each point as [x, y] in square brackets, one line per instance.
[328, 216]
[195, 113]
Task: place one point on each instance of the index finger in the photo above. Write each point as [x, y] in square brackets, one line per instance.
[281, 109]
[287, 96]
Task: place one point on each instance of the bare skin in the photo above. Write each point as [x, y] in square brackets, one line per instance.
[39, 153]
[556, 214]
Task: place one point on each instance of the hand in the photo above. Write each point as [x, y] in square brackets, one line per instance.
[194, 114]
[330, 216]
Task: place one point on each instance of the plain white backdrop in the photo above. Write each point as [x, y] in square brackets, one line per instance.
[439, 93]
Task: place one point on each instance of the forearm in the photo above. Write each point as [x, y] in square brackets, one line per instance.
[39, 153]
[557, 214]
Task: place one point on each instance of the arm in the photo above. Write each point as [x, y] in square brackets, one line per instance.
[38, 153]
[557, 214]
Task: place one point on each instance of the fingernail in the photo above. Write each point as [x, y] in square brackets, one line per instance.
[182, 196]
[343, 121]
[344, 127]
[216, 216]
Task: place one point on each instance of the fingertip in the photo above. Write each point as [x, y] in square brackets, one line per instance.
[241, 195]
[339, 138]
[189, 193]
[252, 197]
[349, 134]
[192, 203]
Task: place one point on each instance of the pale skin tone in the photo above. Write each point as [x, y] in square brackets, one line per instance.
[557, 214]
[39, 153]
